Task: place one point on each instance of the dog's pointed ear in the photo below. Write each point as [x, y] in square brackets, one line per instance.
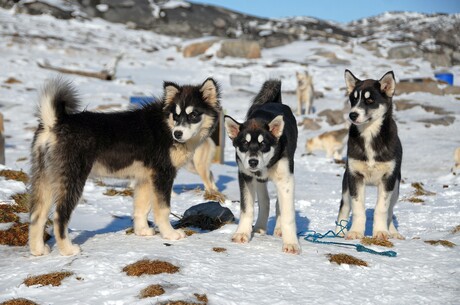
[210, 91]
[350, 81]
[232, 127]
[388, 84]
[170, 91]
[276, 126]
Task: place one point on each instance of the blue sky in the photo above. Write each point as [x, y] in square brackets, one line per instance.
[335, 10]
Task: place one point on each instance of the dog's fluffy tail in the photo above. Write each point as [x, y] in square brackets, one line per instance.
[269, 93]
[58, 98]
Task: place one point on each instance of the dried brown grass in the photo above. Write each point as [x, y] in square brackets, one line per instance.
[420, 190]
[376, 241]
[150, 267]
[201, 297]
[114, 192]
[12, 80]
[7, 213]
[441, 242]
[219, 249]
[19, 301]
[53, 279]
[455, 230]
[22, 202]
[214, 196]
[415, 200]
[151, 291]
[16, 235]
[14, 175]
[342, 258]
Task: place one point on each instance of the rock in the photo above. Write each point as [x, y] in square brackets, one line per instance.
[438, 59]
[455, 58]
[405, 51]
[310, 124]
[197, 48]
[207, 216]
[445, 121]
[239, 48]
[452, 90]
[409, 87]
[333, 117]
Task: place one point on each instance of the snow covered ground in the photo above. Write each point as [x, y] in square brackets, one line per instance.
[258, 272]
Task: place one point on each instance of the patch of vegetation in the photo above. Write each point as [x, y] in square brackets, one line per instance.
[53, 279]
[17, 235]
[151, 291]
[219, 249]
[441, 242]
[14, 175]
[376, 241]
[189, 232]
[22, 202]
[415, 200]
[114, 192]
[20, 301]
[21, 159]
[12, 80]
[420, 190]
[342, 258]
[7, 213]
[150, 267]
[456, 230]
[214, 196]
[201, 297]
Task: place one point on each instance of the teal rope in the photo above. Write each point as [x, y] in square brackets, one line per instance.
[313, 236]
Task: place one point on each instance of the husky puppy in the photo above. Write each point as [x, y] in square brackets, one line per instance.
[331, 141]
[374, 156]
[305, 92]
[265, 144]
[147, 145]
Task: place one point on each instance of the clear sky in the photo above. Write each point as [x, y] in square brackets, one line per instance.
[334, 10]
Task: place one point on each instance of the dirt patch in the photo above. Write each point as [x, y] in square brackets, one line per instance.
[17, 235]
[114, 192]
[189, 232]
[20, 301]
[12, 80]
[7, 213]
[151, 291]
[420, 190]
[219, 249]
[150, 267]
[53, 279]
[14, 175]
[441, 242]
[455, 230]
[342, 258]
[22, 202]
[376, 241]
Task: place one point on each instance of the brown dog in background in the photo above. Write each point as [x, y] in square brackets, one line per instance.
[305, 92]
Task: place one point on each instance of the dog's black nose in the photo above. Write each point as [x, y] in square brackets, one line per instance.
[253, 162]
[178, 134]
[353, 116]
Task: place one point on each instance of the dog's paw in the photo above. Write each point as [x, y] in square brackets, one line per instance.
[396, 235]
[278, 232]
[42, 250]
[240, 238]
[70, 250]
[354, 235]
[291, 248]
[144, 231]
[174, 235]
[383, 235]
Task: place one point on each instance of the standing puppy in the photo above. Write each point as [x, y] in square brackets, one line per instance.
[265, 146]
[147, 145]
[374, 156]
[305, 92]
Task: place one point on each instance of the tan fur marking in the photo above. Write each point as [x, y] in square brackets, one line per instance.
[371, 171]
[170, 93]
[209, 92]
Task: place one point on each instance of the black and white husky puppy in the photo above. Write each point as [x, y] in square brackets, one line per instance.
[147, 145]
[265, 144]
[374, 156]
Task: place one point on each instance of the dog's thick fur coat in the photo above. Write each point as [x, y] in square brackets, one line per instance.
[374, 156]
[139, 144]
[265, 145]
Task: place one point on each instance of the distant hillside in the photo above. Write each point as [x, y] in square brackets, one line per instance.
[433, 37]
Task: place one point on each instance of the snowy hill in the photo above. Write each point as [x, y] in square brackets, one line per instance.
[256, 273]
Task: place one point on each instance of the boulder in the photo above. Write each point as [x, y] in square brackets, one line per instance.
[424, 86]
[404, 51]
[239, 48]
[197, 48]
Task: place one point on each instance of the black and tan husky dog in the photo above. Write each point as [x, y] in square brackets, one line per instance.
[265, 144]
[374, 156]
[147, 145]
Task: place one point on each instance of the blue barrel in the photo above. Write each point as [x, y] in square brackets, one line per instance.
[445, 77]
[141, 100]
